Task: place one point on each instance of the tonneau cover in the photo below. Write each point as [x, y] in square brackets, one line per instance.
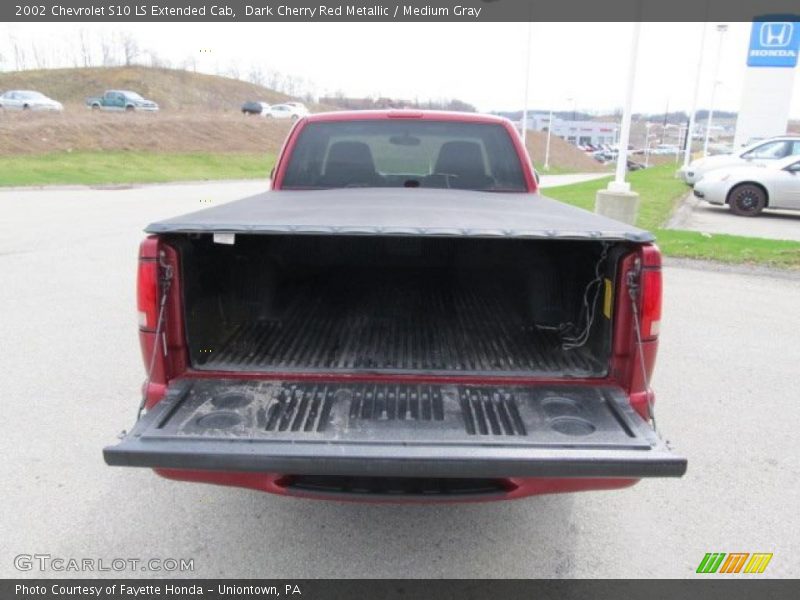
[403, 211]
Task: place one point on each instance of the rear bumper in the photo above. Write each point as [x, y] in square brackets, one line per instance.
[396, 431]
[397, 460]
[280, 484]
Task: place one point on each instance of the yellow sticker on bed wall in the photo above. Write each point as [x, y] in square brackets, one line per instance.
[608, 298]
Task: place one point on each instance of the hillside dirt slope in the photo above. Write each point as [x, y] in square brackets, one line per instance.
[563, 155]
[172, 89]
[200, 113]
[85, 130]
[193, 131]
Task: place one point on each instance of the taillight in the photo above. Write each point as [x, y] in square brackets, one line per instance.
[147, 294]
[147, 284]
[651, 292]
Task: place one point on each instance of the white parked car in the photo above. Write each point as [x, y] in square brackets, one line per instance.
[28, 100]
[665, 149]
[750, 189]
[758, 153]
[289, 110]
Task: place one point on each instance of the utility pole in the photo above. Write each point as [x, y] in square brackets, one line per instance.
[721, 28]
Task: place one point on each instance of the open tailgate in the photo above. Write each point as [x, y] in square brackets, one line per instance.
[396, 430]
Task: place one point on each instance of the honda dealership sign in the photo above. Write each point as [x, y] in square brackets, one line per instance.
[774, 44]
[769, 79]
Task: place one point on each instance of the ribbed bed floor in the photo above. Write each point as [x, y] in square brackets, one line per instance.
[386, 326]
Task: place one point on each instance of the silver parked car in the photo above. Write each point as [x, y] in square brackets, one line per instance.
[750, 189]
[760, 152]
[28, 100]
[288, 110]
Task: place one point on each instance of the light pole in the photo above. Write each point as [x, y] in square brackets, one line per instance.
[687, 155]
[618, 201]
[619, 184]
[547, 145]
[549, 133]
[721, 28]
[647, 138]
[527, 86]
[679, 129]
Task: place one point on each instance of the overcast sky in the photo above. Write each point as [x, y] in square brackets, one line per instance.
[480, 63]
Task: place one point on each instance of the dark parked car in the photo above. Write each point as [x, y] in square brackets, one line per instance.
[253, 107]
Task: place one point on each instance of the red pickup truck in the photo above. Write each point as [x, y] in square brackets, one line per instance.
[402, 317]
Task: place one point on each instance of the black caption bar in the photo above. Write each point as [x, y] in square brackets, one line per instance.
[387, 589]
[390, 10]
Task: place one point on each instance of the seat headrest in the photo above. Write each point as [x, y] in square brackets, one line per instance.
[351, 154]
[461, 158]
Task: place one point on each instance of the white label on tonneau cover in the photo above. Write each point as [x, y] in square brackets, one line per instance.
[225, 238]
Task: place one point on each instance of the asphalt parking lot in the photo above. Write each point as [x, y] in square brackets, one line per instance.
[696, 215]
[726, 381]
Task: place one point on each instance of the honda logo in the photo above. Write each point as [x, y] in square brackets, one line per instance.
[776, 35]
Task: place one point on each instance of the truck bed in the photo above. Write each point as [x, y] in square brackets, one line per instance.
[391, 324]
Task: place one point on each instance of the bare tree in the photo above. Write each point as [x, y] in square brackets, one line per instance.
[19, 54]
[275, 80]
[107, 51]
[312, 92]
[189, 63]
[129, 47]
[39, 56]
[85, 47]
[232, 70]
[291, 85]
[256, 75]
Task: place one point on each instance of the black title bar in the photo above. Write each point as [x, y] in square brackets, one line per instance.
[389, 10]
[705, 587]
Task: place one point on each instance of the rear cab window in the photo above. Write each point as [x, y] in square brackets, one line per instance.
[405, 153]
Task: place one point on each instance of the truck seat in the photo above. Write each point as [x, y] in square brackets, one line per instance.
[464, 162]
[350, 164]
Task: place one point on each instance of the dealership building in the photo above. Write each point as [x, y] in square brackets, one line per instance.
[580, 133]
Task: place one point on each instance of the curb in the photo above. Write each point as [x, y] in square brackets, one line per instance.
[683, 214]
[125, 186]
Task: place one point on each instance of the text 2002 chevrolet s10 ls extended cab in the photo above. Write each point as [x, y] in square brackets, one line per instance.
[403, 317]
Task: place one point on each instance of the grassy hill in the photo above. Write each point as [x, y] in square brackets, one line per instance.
[173, 89]
[200, 133]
